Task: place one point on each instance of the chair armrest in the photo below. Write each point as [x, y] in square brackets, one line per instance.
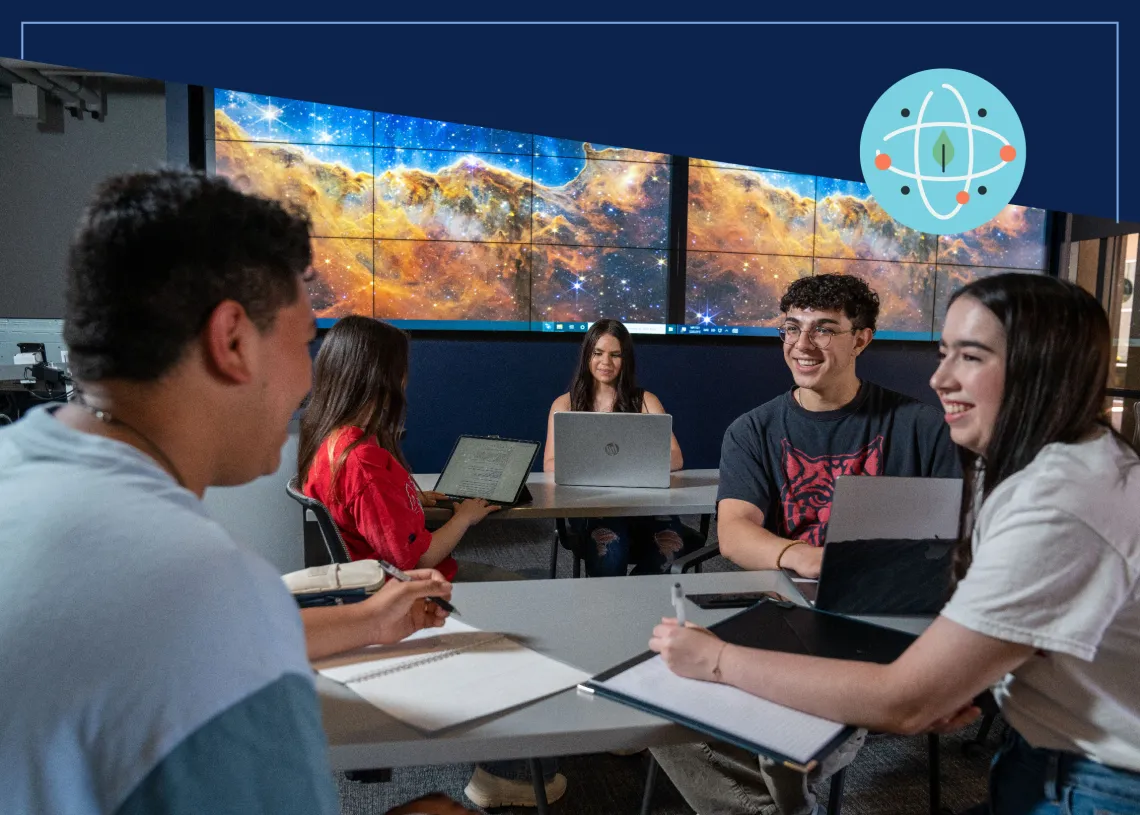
[694, 559]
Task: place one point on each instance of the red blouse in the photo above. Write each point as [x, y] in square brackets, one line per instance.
[376, 506]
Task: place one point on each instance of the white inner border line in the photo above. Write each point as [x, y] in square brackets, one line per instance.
[1114, 23]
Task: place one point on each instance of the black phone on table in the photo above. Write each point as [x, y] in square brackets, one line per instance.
[739, 599]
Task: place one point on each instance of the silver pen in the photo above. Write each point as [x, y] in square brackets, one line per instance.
[679, 603]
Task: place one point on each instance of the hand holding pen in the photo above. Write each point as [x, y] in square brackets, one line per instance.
[688, 650]
[399, 609]
[404, 577]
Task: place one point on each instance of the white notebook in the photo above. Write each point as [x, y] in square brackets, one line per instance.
[440, 677]
[750, 719]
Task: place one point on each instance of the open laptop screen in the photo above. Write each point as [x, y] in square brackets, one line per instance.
[486, 467]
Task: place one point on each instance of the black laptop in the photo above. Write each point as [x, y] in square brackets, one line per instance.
[889, 546]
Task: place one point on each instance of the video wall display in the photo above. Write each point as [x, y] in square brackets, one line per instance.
[431, 224]
[753, 231]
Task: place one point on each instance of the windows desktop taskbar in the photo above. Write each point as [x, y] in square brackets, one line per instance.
[445, 325]
[565, 327]
[706, 330]
[504, 325]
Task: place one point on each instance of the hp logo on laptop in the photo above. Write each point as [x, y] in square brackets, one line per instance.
[612, 449]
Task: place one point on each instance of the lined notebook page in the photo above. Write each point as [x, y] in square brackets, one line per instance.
[799, 736]
[445, 676]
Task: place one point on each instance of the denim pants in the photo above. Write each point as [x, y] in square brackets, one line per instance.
[1025, 780]
[716, 778]
[650, 545]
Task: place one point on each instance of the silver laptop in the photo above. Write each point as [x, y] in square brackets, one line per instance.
[889, 546]
[612, 449]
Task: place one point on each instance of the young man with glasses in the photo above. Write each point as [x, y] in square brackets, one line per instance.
[778, 468]
[779, 461]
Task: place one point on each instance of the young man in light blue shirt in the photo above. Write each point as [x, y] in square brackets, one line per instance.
[150, 664]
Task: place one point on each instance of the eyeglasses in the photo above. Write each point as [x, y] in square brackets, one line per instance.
[819, 336]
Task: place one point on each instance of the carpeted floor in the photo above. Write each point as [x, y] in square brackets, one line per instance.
[889, 777]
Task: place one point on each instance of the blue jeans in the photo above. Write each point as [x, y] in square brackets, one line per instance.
[611, 545]
[1030, 781]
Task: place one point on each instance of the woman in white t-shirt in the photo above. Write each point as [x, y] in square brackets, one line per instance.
[1047, 610]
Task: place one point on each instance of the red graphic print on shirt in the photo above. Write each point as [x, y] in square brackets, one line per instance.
[413, 497]
[809, 483]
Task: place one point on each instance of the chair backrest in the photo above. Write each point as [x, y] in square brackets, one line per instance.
[334, 543]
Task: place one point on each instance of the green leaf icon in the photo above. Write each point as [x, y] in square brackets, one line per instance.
[943, 150]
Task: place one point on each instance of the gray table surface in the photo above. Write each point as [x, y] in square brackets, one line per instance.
[592, 624]
[691, 492]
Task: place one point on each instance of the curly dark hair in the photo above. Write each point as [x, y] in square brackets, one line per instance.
[835, 292]
[154, 256]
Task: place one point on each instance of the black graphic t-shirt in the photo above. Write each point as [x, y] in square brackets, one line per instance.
[784, 459]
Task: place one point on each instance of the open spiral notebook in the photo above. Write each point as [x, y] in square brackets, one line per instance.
[440, 677]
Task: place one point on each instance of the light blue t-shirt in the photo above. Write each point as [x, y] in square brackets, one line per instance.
[148, 664]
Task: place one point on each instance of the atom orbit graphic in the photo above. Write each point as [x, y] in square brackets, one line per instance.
[977, 168]
[963, 197]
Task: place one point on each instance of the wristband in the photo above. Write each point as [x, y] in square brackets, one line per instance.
[717, 677]
[785, 549]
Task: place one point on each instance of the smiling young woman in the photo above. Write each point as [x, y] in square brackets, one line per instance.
[1047, 606]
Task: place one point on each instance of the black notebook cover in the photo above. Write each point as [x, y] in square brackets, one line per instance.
[783, 627]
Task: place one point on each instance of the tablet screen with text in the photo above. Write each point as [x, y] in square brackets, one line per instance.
[481, 467]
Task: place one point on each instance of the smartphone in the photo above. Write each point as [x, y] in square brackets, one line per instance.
[742, 599]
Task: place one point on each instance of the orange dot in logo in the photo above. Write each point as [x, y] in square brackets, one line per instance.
[1008, 153]
[963, 197]
[882, 161]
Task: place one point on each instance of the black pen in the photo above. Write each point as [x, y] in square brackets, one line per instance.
[397, 574]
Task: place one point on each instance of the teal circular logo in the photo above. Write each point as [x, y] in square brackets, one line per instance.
[942, 151]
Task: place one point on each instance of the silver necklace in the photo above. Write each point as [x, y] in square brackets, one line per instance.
[106, 418]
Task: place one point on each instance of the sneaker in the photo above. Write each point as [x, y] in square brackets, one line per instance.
[489, 791]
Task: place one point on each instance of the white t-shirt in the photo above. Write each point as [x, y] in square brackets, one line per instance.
[1057, 566]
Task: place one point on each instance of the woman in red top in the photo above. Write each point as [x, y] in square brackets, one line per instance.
[349, 459]
[349, 455]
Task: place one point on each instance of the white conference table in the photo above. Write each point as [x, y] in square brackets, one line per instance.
[592, 624]
[690, 492]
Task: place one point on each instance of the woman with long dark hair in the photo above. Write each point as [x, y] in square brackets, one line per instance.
[349, 459]
[349, 455]
[605, 381]
[1047, 607]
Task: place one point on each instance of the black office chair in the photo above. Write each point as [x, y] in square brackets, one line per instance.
[990, 715]
[334, 546]
[574, 543]
[693, 560]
